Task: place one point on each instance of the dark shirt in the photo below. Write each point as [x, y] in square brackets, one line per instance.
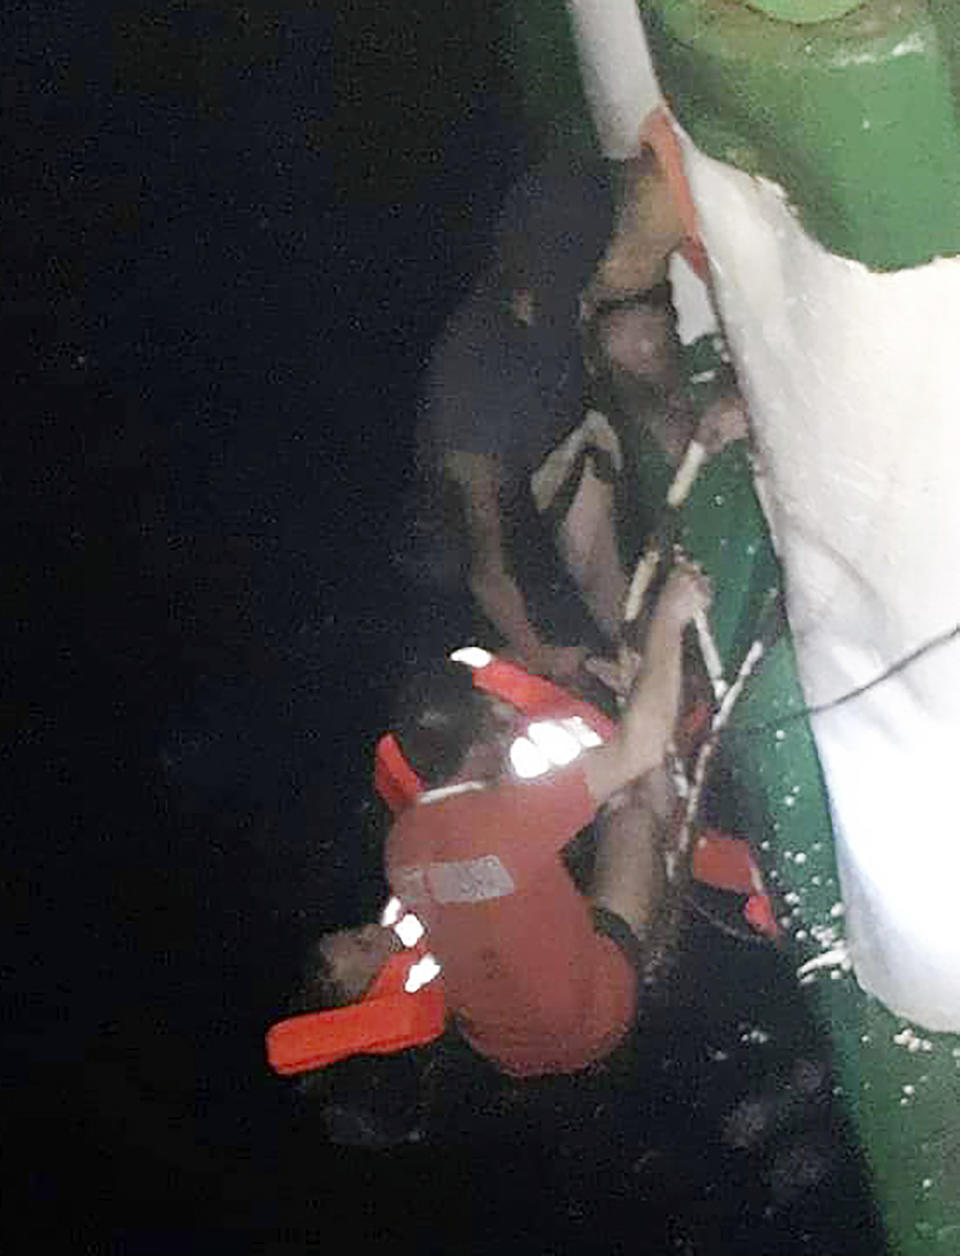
[499, 388]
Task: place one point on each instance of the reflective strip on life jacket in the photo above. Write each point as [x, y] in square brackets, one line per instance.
[553, 743]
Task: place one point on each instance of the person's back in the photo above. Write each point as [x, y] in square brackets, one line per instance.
[534, 986]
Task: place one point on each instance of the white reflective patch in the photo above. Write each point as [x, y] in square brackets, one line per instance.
[526, 760]
[558, 743]
[473, 655]
[551, 744]
[469, 880]
[421, 974]
[447, 791]
[409, 929]
[391, 913]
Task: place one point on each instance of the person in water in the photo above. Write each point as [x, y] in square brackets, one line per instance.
[539, 978]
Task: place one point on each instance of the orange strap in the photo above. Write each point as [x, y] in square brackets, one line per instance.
[393, 777]
[387, 1019]
[373, 1027]
[727, 863]
[536, 696]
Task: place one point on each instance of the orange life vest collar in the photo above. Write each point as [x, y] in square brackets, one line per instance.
[536, 698]
[387, 1019]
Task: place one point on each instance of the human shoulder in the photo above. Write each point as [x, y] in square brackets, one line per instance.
[469, 381]
[474, 328]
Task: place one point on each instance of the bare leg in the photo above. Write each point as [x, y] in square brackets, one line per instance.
[629, 876]
[588, 546]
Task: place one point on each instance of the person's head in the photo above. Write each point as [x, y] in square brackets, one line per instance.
[343, 965]
[633, 347]
[553, 229]
[636, 341]
[439, 718]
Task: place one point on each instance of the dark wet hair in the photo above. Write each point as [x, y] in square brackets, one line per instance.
[438, 715]
[554, 227]
[319, 989]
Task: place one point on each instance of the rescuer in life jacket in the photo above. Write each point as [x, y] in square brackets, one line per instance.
[538, 978]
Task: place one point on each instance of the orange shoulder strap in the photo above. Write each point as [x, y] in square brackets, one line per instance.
[376, 1027]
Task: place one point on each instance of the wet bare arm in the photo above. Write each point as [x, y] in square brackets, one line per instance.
[646, 728]
[648, 227]
[498, 595]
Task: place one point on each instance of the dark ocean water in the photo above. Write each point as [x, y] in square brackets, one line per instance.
[213, 329]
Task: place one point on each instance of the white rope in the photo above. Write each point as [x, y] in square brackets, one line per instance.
[747, 667]
[687, 473]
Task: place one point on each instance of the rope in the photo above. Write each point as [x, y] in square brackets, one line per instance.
[805, 712]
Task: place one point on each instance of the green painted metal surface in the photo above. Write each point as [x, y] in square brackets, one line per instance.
[856, 118]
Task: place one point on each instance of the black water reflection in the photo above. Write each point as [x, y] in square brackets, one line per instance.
[210, 364]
